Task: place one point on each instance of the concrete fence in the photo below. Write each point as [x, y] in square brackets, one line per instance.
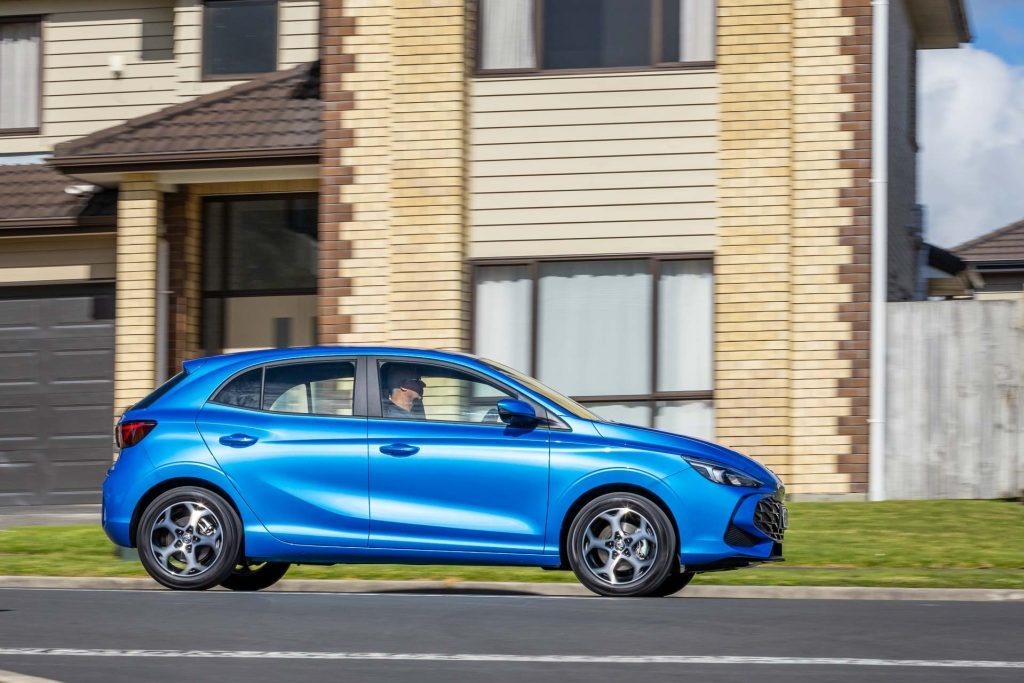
[955, 408]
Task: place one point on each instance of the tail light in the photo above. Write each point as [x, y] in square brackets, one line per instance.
[131, 432]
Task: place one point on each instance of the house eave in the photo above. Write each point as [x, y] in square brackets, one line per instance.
[939, 24]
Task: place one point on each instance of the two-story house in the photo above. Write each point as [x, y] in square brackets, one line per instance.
[664, 208]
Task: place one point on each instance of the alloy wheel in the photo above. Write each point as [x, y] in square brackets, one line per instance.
[186, 538]
[619, 546]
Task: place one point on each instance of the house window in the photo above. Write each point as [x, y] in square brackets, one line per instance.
[534, 35]
[629, 338]
[20, 49]
[259, 271]
[239, 38]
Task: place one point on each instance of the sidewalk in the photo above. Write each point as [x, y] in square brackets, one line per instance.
[545, 589]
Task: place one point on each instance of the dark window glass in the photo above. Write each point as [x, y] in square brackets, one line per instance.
[596, 33]
[160, 391]
[310, 388]
[239, 37]
[243, 391]
[272, 246]
[670, 31]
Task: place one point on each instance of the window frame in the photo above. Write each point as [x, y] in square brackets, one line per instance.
[223, 292]
[374, 397]
[538, 49]
[359, 406]
[38, 128]
[203, 38]
[654, 262]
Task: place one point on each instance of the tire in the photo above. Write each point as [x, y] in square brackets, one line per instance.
[189, 538]
[622, 545]
[255, 577]
[675, 582]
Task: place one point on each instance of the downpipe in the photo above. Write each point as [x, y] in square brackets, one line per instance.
[879, 243]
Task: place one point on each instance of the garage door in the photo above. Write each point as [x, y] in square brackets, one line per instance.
[56, 393]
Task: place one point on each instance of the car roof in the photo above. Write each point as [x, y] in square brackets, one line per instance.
[211, 363]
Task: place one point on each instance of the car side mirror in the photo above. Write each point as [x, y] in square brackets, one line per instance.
[516, 413]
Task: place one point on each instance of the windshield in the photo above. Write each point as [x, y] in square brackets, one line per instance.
[564, 402]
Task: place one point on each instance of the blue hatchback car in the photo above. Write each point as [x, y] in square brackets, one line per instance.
[246, 463]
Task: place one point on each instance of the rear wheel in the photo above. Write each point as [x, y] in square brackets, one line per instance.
[255, 577]
[189, 538]
[622, 545]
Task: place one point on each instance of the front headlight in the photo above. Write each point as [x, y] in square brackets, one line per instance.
[722, 475]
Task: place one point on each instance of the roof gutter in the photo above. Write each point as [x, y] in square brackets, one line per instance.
[71, 165]
[879, 242]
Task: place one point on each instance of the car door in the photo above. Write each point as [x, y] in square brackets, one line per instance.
[292, 438]
[447, 474]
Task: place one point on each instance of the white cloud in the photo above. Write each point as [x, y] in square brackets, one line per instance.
[972, 143]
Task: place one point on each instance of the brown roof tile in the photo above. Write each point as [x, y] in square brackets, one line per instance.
[32, 197]
[1004, 244]
[274, 115]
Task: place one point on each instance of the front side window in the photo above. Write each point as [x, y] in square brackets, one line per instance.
[630, 339]
[239, 37]
[411, 391]
[310, 388]
[19, 75]
[529, 35]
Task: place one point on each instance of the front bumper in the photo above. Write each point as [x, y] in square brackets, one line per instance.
[724, 527]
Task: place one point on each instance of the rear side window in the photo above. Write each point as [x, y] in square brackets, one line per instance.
[160, 391]
[310, 388]
[243, 391]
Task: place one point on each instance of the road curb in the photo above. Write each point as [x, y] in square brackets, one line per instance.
[550, 589]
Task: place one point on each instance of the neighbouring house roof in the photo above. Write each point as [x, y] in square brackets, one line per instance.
[33, 199]
[272, 119]
[944, 260]
[1003, 245]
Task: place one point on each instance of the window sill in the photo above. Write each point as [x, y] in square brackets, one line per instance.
[596, 71]
[211, 78]
[12, 132]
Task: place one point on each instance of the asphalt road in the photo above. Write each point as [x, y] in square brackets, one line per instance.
[89, 635]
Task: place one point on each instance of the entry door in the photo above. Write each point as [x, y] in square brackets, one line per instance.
[448, 475]
[298, 458]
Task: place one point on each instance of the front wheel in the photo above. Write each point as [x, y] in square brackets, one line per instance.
[189, 538]
[255, 577]
[622, 545]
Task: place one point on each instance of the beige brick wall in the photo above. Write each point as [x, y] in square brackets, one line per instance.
[139, 217]
[792, 267]
[397, 225]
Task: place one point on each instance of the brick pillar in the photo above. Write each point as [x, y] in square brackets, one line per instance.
[139, 217]
[393, 167]
[753, 267]
[793, 266]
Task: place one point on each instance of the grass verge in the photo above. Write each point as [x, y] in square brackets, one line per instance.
[952, 544]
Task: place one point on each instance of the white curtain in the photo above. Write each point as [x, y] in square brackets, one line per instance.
[685, 312]
[502, 315]
[595, 327]
[690, 418]
[19, 75]
[696, 30]
[506, 34]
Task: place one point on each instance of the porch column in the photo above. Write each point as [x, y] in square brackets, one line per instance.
[139, 217]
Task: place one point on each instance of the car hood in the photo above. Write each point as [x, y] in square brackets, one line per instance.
[644, 437]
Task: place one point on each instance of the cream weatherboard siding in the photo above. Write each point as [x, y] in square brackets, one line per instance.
[158, 42]
[593, 164]
[67, 258]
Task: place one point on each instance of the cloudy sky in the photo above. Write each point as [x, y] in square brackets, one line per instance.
[972, 127]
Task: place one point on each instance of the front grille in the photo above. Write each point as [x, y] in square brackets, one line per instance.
[738, 537]
[771, 518]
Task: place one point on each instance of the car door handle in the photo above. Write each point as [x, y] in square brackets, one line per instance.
[238, 440]
[399, 449]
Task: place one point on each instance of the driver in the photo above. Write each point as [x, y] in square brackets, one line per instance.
[405, 393]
